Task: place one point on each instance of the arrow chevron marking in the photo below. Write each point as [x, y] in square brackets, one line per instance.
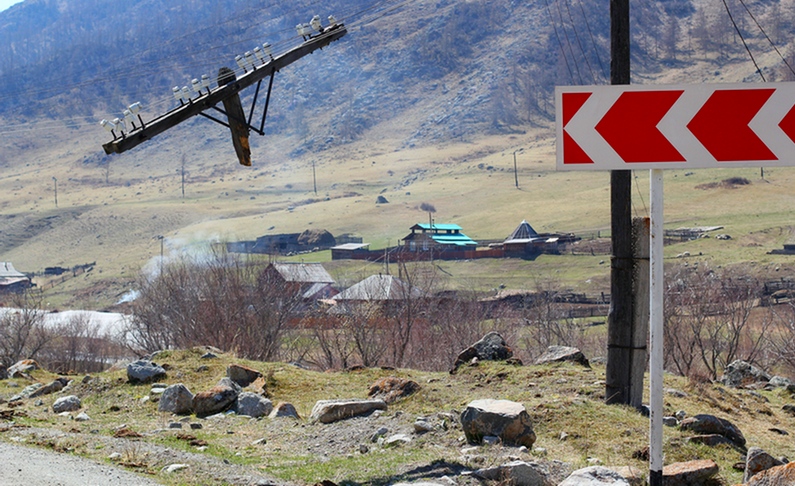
[572, 152]
[630, 126]
[721, 125]
[787, 124]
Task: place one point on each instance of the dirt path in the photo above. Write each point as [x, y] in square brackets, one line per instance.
[23, 466]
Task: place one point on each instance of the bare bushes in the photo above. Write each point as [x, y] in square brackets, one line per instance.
[221, 301]
[22, 331]
[708, 321]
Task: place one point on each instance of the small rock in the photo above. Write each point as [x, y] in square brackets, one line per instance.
[175, 425]
[490, 440]
[208, 355]
[491, 347]
[82, 417]
[21, 368]
[775, 476]
[391, 389]
[670, 421]
[195, 426]
[378, 434]
[397, 439]
[518, 473]
[176, 399]
[680, 415]
[217, 399]
[175, 467]
[284, 409]
[709, 424]
[422, 426]
[261, 441]
[502, 418]
[116, 456]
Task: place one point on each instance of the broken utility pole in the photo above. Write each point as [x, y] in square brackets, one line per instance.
[227, 93]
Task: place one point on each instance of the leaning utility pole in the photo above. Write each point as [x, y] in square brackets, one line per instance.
[256, 65]
[620, 326]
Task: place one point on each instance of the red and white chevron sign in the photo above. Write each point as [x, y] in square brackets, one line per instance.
[675, 126]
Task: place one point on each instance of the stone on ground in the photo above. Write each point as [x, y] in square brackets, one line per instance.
[757, 460]
[66, 404]
[775, 476]
[217, 399]
[691, 473]
[284, 409]
[20, 368]
[328, 411]
[491, 347]
[741, 373]
[557, 354]
[242, 375]
[143, 371]
[176, 399]
[595, 476]
[517, 473]
[253, 405]
[710, 424]
[390, 389]
[501, 418]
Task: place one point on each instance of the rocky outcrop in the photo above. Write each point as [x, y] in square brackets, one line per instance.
[741, 373]
[390, 389]
[22, 368]
[709, 424]
[556, 354]
[143, 371]
[328, 411]
[491, 347]
[176, 399]
[498, 418]
[55, 386]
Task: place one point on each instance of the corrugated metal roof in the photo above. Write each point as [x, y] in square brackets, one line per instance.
[7, 270]
[439, 227]
[379, 287]
[459, 239]
[351, 246]
[522, 232]
[303, 272]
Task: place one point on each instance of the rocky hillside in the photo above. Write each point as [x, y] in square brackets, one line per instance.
[201, 416]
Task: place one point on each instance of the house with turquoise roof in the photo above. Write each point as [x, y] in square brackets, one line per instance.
[437, 237]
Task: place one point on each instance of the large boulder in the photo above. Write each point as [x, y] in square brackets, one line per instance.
[741, 373]
[710, 424]
[219, 398]
[390, 389]
[242, 375]
[176, 399]
[499, 418]
[757, 460]
[66, 404]
[691, 473]
[491, 347]
[253, 405]
[328, 411]
[555, 354]
[517, 473]
[143, 371]
[775, 476]
[595, 476]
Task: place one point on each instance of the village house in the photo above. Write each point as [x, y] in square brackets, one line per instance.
[12, 280]
[437, 237]
[310, 281]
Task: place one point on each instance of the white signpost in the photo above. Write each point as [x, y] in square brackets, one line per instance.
[657, 127]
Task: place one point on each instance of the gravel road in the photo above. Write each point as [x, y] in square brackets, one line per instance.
[23, 466]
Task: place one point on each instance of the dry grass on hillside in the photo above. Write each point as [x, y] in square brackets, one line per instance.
[559, 398]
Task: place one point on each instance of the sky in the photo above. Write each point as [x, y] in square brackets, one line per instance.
[4, 4]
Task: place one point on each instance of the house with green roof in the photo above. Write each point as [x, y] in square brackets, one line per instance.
[437, 237]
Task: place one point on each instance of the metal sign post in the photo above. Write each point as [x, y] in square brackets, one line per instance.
[658, 127]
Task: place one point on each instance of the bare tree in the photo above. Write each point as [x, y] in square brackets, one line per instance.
[22, 330]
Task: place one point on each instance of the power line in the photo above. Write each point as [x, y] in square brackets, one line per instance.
[568, 42]
[577, 36]
[593, 41]
[767, 37]
[737, 29]
[560, 44]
